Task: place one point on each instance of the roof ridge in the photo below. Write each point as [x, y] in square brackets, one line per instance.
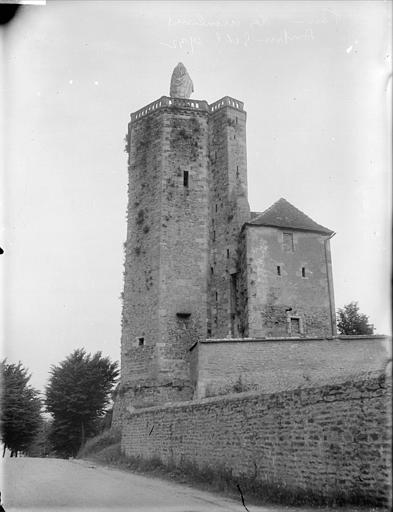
[282, 213]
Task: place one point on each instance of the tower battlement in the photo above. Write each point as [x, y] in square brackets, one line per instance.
[202, 105]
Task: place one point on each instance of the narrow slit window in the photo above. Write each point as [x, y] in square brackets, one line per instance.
[214, 236]
[216, 296]
[278, 270]
[185, 178]
[303, 271]
[227, 253]
[212, 270]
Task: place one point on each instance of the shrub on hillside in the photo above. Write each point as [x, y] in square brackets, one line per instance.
[98, 443]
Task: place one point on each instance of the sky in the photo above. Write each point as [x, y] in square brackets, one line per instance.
[314, 79]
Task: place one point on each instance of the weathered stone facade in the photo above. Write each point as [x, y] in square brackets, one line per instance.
[289, 291]
[220, 366]
[198, 264]
[332, 441]
[218, 299]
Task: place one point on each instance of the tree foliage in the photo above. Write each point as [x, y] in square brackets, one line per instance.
[351, 321]
[20, 408]
[41, 446]
[77, 394]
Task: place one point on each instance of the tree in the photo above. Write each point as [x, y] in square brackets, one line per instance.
[351, 321]
[77, 394]
[41, 446]
[20, 408]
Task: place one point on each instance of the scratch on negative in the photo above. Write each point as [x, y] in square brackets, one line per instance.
[242, 497]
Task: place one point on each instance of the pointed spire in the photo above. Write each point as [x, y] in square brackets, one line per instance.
[181, 83]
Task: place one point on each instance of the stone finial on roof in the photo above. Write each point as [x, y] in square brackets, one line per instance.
[181, 83]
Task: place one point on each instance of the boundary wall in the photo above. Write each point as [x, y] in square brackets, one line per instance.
[333, 441]
[221, 366]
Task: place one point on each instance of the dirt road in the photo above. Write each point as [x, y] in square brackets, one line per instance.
[69, 485]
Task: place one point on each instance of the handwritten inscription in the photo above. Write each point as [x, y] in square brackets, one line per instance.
[320, 17]
[251, 31]
[200, 21]
[283, 37]
[187, 43]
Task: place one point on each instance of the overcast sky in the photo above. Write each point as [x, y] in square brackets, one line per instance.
[314, 80]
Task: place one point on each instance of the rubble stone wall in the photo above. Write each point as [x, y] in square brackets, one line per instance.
[334, 441]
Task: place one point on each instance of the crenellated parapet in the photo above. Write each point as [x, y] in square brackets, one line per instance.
[202, 105]
[226, 101]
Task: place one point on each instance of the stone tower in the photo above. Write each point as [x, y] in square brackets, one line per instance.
[186, 205]
[229, 210]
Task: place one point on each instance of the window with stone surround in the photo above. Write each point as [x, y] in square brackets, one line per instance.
[294, 325]
[287, 242]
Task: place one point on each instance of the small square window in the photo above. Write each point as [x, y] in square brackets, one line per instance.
[141, 341]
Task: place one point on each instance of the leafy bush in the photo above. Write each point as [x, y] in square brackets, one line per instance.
[96, 444]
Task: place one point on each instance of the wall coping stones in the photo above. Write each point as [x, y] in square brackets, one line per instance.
[383, 380]
[294, 339]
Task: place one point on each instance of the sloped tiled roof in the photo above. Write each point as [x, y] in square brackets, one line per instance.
[284, 215]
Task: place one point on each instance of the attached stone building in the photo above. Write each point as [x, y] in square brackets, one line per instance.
[198, 263]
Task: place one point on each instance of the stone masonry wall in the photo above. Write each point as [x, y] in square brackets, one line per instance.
[333, 441]
[277, 290]
[222, 366]
[141, 275]
[228, 211]
[183, 243]
[164, 300]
